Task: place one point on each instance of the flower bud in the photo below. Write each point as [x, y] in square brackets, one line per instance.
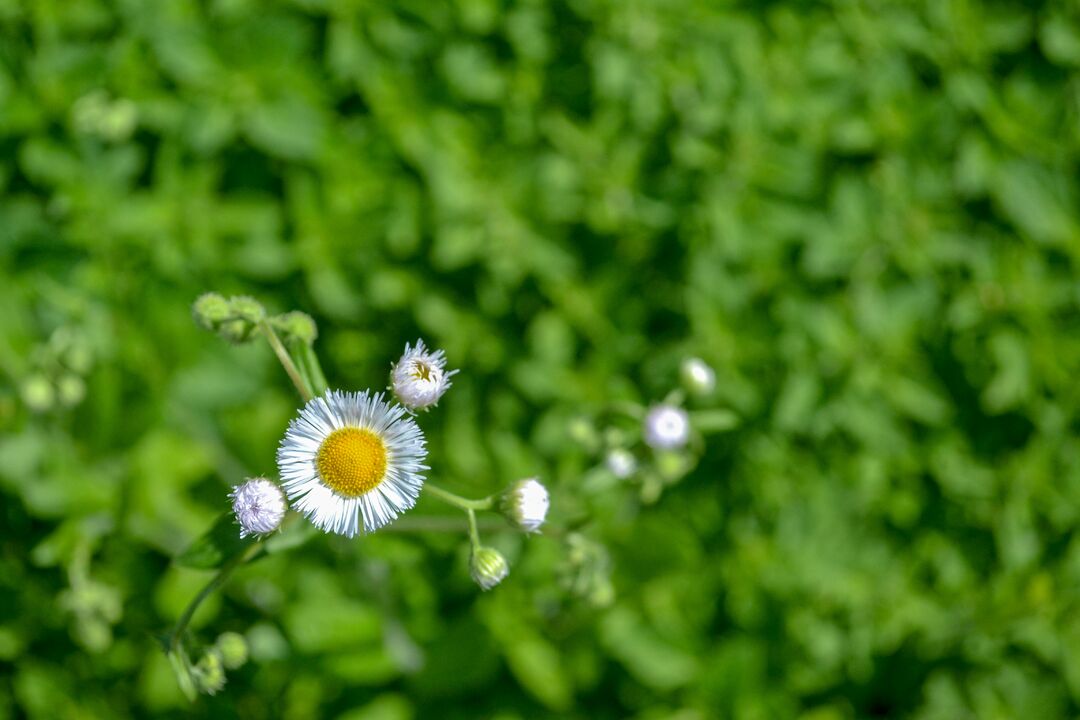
[247, 309]
[233, 648]
[697, 376]
[525, 504]
[298, 325]
[488, 567]
[38, 393]
[420, 378]
[210, 310]
[209, 672]
[621, 463]
[259, 506]
[666, 427]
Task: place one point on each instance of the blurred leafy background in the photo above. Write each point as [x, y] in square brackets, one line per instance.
[863, 214]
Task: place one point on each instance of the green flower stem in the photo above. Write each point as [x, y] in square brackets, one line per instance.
[457, 500]
[474, 533]
[286, 361]
[223, 573]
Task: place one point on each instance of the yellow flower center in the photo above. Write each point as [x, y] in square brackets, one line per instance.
[351, 461]
[421, 371]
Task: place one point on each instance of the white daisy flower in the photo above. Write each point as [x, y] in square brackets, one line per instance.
[488, 567]
[621, 463]
[259, 506]
[351, 462]
[698, 377]
[667, 427]
[526, 504]
[420, 377]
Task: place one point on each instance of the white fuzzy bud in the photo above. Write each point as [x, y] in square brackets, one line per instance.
[526, 504]
[488, 567]
[420, 378]
[621, 463]
[259, 506]
[697, 376]
[666, 427]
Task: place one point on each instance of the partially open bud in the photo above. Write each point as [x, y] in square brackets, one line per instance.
[259, 506]
[666, 427]
[233, 648]
[525, 504]
[420, 378]
[697, 376]
[488, 567]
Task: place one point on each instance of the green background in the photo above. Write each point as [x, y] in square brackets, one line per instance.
[864, 215]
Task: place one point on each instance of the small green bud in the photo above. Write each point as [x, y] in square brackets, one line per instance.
[209, 672]
[248, 309]
[697, 376]
[583, 431]
[488, 567]
[38, 393]
[210, 310]
[233, 648]
[298, 325]
[236, 331]
[71, 390]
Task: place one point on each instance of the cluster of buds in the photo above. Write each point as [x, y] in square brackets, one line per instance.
[525, 506]
[667, 440]
[228, 653]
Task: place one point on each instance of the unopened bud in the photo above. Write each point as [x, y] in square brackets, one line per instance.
[248, 309]
[259, 506]
[488, 567]
[210, 310]
[697, 376]
[526, 504]
[233, 648]
[298, 325]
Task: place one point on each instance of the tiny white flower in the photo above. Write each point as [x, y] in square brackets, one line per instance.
[259, 506]
[526, 504]
[488, 567]
[698, 377]
[420, 377]
[667, 427]
[352, 462]
[621, 463]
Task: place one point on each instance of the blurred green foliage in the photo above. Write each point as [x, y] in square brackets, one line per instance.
[864, 215]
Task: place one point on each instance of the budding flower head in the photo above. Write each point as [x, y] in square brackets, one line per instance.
[420, 378]
[621, 463]
[697, 376]
[526, 504]
[259, 506]
[488, 567]
[666, 427]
